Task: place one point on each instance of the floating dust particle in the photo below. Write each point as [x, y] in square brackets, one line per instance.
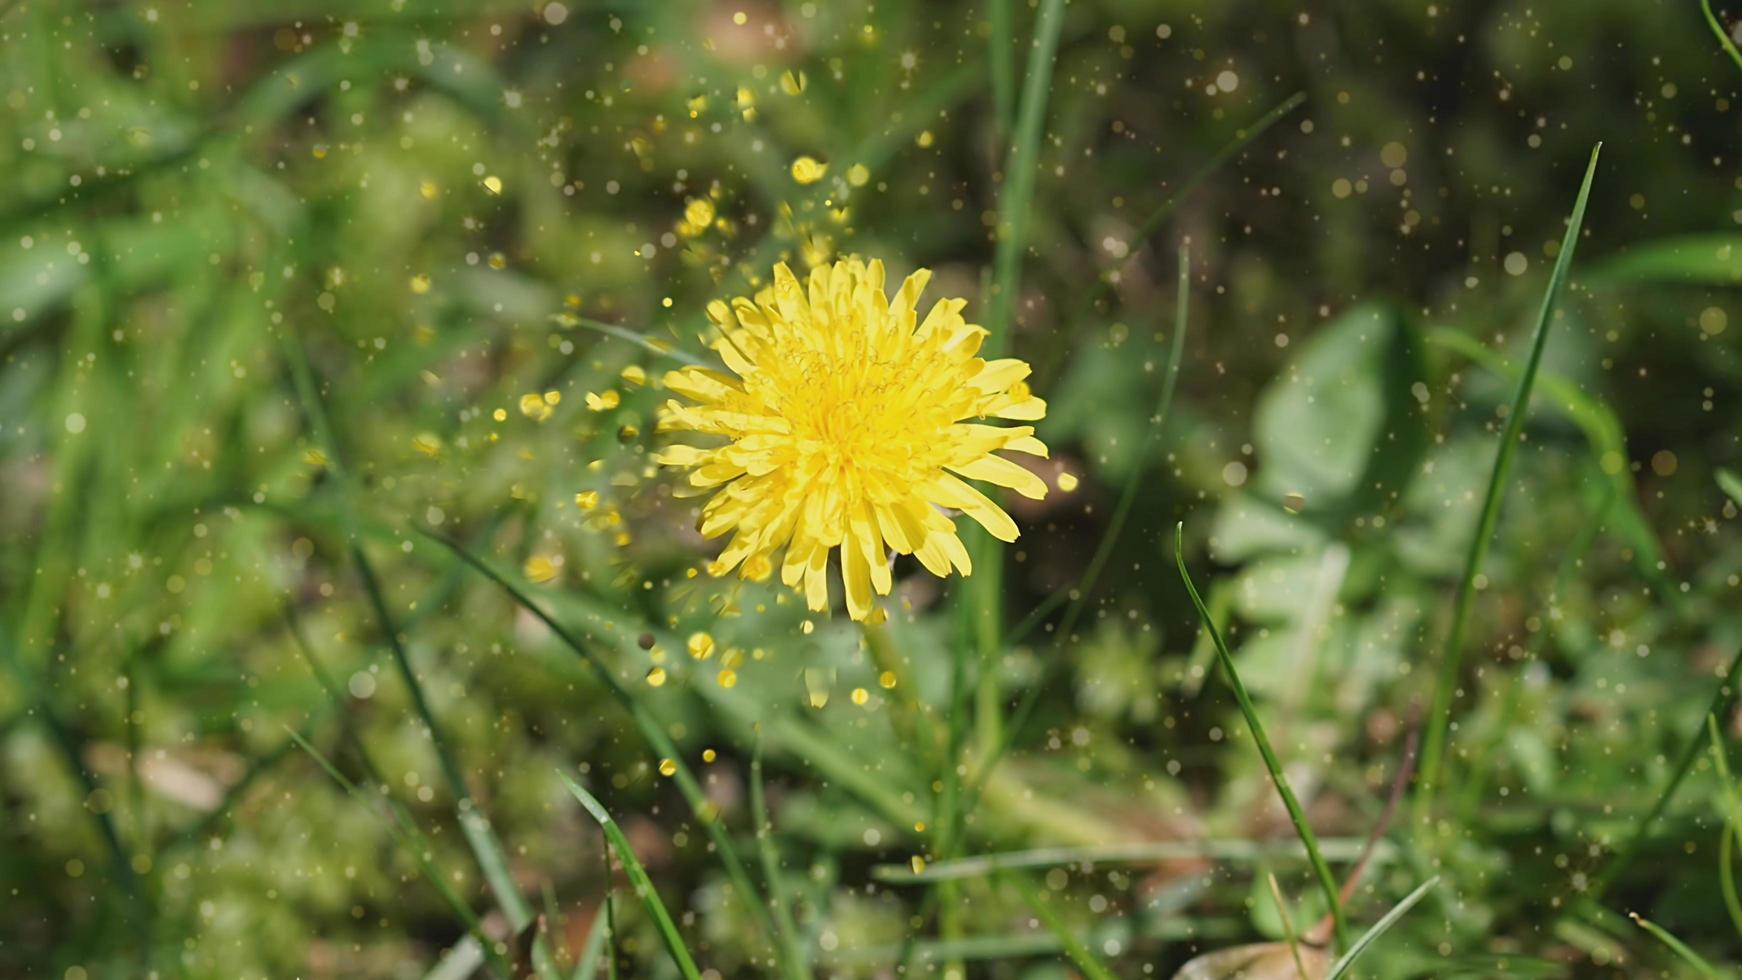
[420, 284]
[1394, 155]
[587, 500]
[429, 189]
[1294, 502]
[603, 401]
[493, 184]
[540, 569]
[807, 627]
[708, 755]
[887, 680]
[656, 677]
[728, 679]
[860, 696]
[858, 175]
[667, 767]
[740, 18]
[645, 641]
[1713, 320]
[808, 170]
[1067, 482]
[925, 139]
[793, 84]
[701, 645]
[1664, 463]
[697, 106]
[500, 415]
[498, 261]
[427, 443]
[319, 151]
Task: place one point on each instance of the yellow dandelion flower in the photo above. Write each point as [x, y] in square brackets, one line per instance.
[846, 421]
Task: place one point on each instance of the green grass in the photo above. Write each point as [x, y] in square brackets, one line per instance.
[1225, 660]
[1451, 659]
[265, 337]
[639, 882]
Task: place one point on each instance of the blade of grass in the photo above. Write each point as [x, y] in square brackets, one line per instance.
[1732, 826]
[637, 877]
[649, 726]
[797, 960]
[1731, 484]
[1676, 946]
[1295, 814]
[492, 858]
[1133, 481]
[1243, 137]
[70, 744]
[1723, 35]
[1079, 954]
[1288, 930]
[1103, 550]
[985, 590]
[1727, 876]
[1148, 852]
[642, 341]
[1379, 928]
[1439, 718]
[1723, 699]
[1001, 60]
[405, 830]
[587, 966]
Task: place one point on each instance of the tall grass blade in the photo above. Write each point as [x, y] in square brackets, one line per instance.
[680, 954]
[796, 961]
[1074, 948]
[1728, 45]
[1001, 59]
[644, 720]
[491, 856]
[1439, 719]
[1326, 881]
[1723, 699]
[1680, 949]
[1015, 200]
[587, 965]
[1145, 852]
[1288, 931]
[1379, 928]
[405, 830]
[1732, 826]
[1731, 484]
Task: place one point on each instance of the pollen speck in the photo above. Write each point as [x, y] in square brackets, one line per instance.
[808, 170]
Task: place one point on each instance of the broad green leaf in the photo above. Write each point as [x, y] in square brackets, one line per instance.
[1341, 426]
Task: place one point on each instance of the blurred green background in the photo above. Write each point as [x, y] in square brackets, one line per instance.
[285, 285]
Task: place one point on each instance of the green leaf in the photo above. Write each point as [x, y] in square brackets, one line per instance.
[1705, 260]
[1341, 426]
